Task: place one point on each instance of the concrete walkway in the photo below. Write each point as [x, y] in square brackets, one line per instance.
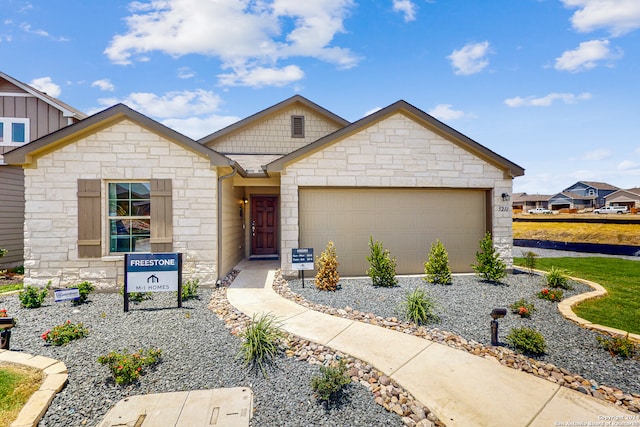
[460, 388]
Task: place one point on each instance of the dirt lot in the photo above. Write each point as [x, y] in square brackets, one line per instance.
[613, 234]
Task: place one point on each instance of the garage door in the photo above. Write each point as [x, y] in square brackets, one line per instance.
[406, 221]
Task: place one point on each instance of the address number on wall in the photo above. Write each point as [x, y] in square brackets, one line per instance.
[504, 208]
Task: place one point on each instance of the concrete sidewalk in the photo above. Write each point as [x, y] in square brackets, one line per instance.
[460, 388]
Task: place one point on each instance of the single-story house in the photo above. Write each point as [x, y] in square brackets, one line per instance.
[629, 198]
[524, 201]
[25, 114]
[291, 176]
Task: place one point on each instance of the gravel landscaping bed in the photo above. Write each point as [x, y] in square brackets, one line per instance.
[464, 307]
[198, 352]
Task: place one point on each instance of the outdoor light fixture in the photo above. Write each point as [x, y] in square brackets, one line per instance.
[496, 313]
[246, 200]
[506, 197]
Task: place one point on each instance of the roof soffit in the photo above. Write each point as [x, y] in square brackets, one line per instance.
[27, 153]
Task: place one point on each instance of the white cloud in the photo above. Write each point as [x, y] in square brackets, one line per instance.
[373, 110]
[407, 8]
[243, 35]
[547, 100]
[597, 155]
[259, 76]
[42, 33]
[185, 73]
[626, 165]
[104, 84]
[445, 112]
[171, 104]
[471, 59]
[199, 127]
[616, 16]
[586, 56]
[46, 85]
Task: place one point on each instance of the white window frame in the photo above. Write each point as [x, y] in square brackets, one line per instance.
[7, 137]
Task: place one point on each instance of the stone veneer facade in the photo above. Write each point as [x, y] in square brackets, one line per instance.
[395, 152]
[272, 135]
[124, 151]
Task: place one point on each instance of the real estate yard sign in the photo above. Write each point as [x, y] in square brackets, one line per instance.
[152, 272]
[301, 260]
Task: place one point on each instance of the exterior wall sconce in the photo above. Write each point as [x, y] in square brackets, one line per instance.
[245, 200]
[506, 197]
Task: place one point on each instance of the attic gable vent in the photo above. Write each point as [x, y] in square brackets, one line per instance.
[297, 126]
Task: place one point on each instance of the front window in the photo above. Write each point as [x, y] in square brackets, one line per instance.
[129, 217]
[14, 131]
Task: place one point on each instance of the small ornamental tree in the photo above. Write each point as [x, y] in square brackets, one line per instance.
[489, 266]
[327, 277]
[437, 268]
[382, 268]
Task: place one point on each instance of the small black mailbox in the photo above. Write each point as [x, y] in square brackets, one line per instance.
[498, 313]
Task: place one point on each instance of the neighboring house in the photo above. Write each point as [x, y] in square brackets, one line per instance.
[629, 198]
[293, 175]
[582, 195]
[26, 114]
[526, 201]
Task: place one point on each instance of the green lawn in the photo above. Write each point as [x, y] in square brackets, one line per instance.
[620, 309]
[9, 288]
[17, 384]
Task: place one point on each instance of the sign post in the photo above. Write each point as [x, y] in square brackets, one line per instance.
[148, 272]
[301, 260]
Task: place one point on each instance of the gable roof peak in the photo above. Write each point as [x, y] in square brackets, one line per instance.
[295, 99]
[66, 109]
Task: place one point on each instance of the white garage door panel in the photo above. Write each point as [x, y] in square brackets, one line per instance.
[406, 221]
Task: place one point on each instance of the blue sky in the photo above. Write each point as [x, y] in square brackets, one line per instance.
[552, 85]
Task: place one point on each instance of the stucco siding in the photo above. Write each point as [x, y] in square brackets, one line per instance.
[272, 135]
[395, 152]
[51, 204]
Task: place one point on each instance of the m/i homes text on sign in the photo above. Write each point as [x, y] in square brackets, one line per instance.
[152, 272]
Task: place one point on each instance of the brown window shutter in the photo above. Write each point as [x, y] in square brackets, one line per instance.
[89, 219]
[297, 126]
[161, 216]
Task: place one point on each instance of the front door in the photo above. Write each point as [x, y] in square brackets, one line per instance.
[264, 225]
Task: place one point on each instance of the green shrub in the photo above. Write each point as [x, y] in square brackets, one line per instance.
[488, 265]
[32, 297]
[619, 346]
[419, 307]
[330, 383]
[437, 267]
[260, 341]
[382, 268]
[137, 297]
[327, 277]
[84, 288]
[127, 368]
[527, 340]
[65, 333]
[557, 278]
[551, 294]
[189, 289]
[530, 261]
[522, 308]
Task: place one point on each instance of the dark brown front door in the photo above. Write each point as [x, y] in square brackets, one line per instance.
[264, 225]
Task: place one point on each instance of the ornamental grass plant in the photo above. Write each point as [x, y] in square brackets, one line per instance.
[261, 341]
[419, 307]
